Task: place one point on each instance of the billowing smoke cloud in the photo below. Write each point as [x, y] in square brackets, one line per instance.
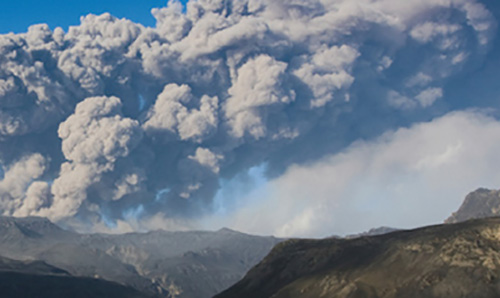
[113, 118]
[406, 178]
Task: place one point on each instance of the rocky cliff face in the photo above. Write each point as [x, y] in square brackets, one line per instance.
[478, 204]
[453, 260]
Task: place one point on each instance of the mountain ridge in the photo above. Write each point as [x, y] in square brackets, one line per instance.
[450, 260]
[179, 264]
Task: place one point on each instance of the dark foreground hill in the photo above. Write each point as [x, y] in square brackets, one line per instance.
[40, 280]
[49, 286]
[452, 260]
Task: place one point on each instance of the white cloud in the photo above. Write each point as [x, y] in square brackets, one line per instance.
[93, 139]
[395, 99]
[15, 185]
[258, 87]
[207, 158]
[170, 113]
[427, 97]
[328, 72]
[427, 31]
[406, 178]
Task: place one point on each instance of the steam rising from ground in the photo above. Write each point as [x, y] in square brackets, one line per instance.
[112, 121]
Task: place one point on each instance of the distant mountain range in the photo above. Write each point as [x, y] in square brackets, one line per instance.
[452, 260]
[164, 264]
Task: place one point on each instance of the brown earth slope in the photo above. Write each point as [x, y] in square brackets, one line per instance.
[453, 260]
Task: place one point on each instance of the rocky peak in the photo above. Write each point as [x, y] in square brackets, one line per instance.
[481, 203]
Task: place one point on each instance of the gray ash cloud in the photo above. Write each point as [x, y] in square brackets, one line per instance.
[97, 121]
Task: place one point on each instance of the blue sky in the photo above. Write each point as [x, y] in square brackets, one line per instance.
[17, 16]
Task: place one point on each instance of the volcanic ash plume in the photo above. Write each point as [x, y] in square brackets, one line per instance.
[113, 119]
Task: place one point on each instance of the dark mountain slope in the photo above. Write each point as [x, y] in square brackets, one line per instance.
[15, 284]
[35, 267]
[456, 260]
[40, 280]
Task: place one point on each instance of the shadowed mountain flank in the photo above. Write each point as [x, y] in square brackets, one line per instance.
[39, 280]
[15, 284]
[456, 260]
